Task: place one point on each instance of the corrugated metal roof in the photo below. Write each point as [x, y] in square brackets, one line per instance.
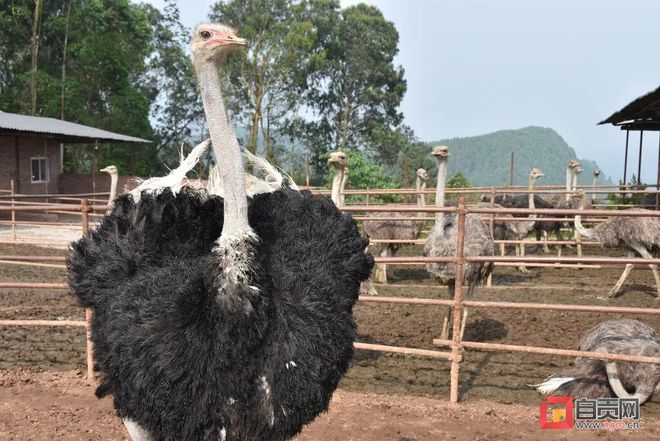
[642, 113]
[61, 129]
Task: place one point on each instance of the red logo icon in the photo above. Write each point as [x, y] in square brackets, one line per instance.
[557, 413]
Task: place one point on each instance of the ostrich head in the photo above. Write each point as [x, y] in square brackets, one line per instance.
[212, 41]
[580, 199]
[111, 170]
[338, 160]
[578, 170]
[440, 152]
[596, 173]
[573, 163]
[422, 175]
[535, 173]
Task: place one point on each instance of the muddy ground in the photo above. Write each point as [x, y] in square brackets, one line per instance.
[500, 378]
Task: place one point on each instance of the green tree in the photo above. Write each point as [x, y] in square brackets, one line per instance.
[176, 111]
[354, 98]
[365, 174]
[264, 84]
[99, 80]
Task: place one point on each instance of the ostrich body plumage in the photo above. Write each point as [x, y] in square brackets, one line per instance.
[190, 355]
[392, 229]
[588, 378]
[442, 243]
[630, 232]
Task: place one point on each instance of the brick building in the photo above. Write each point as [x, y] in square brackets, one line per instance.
[32, 150]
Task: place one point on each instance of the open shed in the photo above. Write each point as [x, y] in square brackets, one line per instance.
[32, 150]
[642, 114]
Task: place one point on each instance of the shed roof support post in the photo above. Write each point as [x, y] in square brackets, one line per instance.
[625, 160]
[639, 160]
[657, 178]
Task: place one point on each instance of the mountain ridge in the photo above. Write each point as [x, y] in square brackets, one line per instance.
[485, 159]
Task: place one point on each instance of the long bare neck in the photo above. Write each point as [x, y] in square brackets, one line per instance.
[227, 150]
[113, 186]
[569, 176]
[593, 187]
[530, 196]
[336, 186]
[440, 186]
[587, 233]
[421, 186]
[575, 180]
[344, 179]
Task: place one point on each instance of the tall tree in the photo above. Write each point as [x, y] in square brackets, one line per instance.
[354, 99]
[265, 83]
[34, 49]
[176, 110]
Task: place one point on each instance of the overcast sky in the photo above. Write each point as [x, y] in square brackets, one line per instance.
[476, 66]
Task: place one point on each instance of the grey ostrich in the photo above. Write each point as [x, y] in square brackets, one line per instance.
[591, 378]
[516, 230]
[114, 179]
[442, 243]
[557, 201]
[394, 229]
[521, 230]
[639, 235]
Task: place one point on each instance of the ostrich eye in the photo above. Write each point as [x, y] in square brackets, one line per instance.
[205, 35]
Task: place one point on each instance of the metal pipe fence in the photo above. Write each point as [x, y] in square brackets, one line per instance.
[456, 345]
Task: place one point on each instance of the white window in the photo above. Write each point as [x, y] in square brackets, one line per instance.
[39, 169]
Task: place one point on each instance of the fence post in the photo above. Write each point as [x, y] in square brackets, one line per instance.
[456, 349]
[84, 214]
[489, 281]
[13, 213]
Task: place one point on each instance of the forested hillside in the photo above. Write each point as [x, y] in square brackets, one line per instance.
[484, 159]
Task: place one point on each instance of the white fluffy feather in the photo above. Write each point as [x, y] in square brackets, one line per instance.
[551, 384]
[269, 179]
[176, 178]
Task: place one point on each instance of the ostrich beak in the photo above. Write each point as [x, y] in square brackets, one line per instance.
[105, 170]
[227, 40]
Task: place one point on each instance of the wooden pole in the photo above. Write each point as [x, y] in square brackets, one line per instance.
[458, 305]
[511, 168]
[489, 281]
[307, 170]
[84, 210]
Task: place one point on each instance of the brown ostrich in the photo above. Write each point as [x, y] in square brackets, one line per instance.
[442, 243]
[591, 378]
[639, 235]
[394, 229]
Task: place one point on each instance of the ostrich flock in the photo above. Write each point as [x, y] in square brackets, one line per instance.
[225, 313]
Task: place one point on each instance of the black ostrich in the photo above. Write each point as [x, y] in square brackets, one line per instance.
[220, 319]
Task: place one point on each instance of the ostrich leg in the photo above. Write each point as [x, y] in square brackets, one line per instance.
[520, 252]
[626, 272]
[380, 271]
[471, 286]
[451, 287]
[546, 237]
[645, 254]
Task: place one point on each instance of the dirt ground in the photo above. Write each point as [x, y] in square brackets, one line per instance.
[382, 397]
